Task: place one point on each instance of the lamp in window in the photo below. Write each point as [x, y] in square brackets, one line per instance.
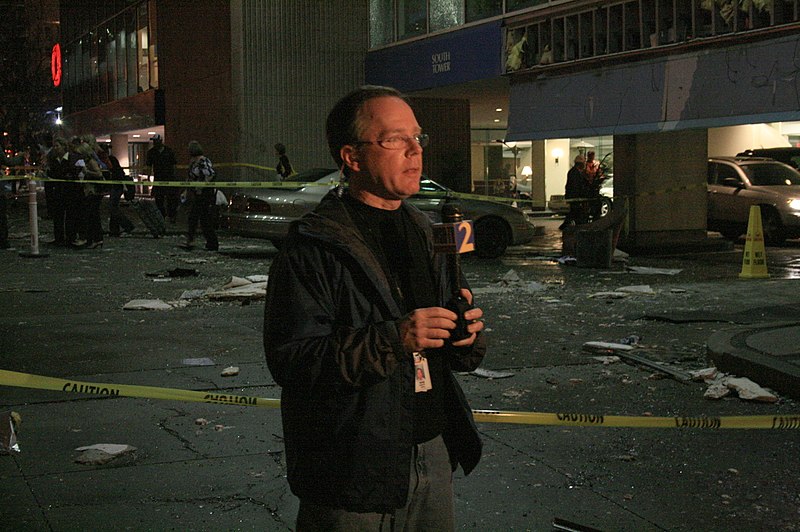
[526, 172]
[557, 153]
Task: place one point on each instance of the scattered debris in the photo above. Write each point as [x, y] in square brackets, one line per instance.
[624, 352]
[749, 390]
[230, 371]
[608, 295]
[490, 374]
[146, 304]
[9, 421]
[205, 361]
[201, 421]
[705, 374]
[654, 271]
[195, 294]
[609, 359]
[239, 288]
[102, 453]
[176, 272]
[637, 289]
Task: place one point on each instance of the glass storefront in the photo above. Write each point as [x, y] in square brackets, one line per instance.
[111, 59]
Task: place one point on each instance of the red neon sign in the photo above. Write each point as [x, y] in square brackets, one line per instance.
[55, 65]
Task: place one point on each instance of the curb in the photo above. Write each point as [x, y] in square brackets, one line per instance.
[732, 353]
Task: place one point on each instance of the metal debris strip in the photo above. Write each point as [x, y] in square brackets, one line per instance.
[624, 352]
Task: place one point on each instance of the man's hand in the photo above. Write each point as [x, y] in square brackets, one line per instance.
[428, 328]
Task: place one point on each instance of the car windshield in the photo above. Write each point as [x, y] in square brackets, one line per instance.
[771, 174]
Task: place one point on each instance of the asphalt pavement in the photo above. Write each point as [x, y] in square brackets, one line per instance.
[195, 465]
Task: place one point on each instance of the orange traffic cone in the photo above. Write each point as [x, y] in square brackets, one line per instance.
[754, 260]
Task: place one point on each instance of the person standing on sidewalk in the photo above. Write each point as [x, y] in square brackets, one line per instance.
[57, 163]
[118, 223]
[201, 200]
[161, 162]
[284, 167]
[354, 311]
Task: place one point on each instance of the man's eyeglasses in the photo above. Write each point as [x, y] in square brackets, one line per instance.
[398, 142]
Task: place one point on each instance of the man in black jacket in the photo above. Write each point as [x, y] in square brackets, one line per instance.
[357, 336]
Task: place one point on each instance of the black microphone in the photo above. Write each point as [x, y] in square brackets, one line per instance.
[455, 236]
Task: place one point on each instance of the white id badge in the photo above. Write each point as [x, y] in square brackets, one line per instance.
[422, 376]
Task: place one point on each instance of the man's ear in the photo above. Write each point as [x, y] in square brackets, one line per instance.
[350, 156]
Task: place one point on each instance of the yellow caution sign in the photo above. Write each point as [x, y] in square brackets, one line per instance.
[754, 260]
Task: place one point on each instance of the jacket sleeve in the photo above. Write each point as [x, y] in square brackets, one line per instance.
[318, 329]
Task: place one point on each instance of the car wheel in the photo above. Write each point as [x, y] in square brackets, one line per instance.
[774, 232]
[731, 233]
[492, 237]
[605, 206]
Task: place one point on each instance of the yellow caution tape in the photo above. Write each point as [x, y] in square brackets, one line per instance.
[26, 380]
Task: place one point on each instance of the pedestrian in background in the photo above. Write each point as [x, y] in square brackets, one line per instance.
[355, 307]
[201, 200]
[92, 196]
[576, 193]
[118, 223]
[6, 193]
[74, 224]
[284, 167]
[161, 163]
[57, 161]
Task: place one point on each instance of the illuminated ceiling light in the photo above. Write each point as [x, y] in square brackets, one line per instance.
[136, 135]
[499, 109]
[496, 119]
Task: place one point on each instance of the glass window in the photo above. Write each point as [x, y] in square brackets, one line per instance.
[478, 9]
[533, 49]
[684, 28]
[586, 34]
[615, 29]
[143, 57]
[786, 11]
[516, 46]
[446, 14]
[633, 30]
[412, 18]
[111, 47]
[558, 39]
[665, 23]
[702, 18]
[601, 31]
[381, 19]
[132, 77]
[513, 5]
[122, 69]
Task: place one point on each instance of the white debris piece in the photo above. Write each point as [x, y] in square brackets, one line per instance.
[749, 390]
[247, 290]
[608, 295]
[230, 371]
[146, 304]
[205, 361]
[654, 271]
[705, 374]
[491, 374]
[236, 282]
[607, 359]
[510, 277]
[637, 289]
[257, 278]
[717, 390]
[606, 347]
[102, 453]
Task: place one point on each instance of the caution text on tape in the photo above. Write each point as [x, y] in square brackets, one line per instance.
[26, 380]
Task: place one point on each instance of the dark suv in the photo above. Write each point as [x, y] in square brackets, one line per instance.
[787, 155]
[736, 183]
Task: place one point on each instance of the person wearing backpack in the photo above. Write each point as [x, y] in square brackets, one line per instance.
[202, 200]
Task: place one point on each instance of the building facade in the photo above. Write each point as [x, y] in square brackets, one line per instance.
[654, 85]
[238, 76]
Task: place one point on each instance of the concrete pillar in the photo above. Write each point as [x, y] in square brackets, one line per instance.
[119, 148]
[661, 178]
